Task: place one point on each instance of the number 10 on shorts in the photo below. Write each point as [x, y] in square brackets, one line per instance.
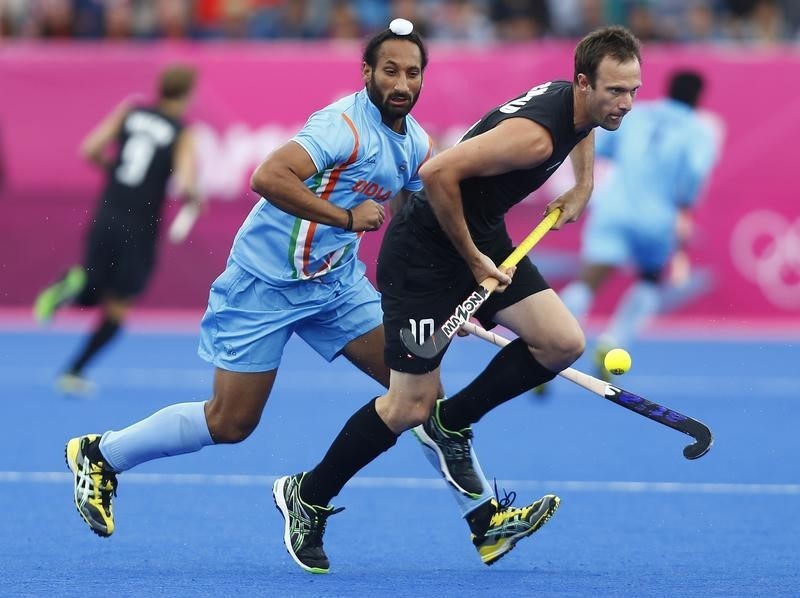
[422, 329]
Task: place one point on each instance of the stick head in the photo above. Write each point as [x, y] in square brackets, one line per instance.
[668, 417]
[702, 444]
[427, 350]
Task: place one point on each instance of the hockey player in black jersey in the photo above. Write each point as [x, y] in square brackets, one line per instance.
[450, 237]
[140, 147]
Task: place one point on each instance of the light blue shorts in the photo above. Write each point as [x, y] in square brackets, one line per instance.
[617, 242]
[249, 321]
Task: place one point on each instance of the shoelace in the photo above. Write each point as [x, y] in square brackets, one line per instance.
[107, 477]
[317, 526]
[458, 447]
[507, 500]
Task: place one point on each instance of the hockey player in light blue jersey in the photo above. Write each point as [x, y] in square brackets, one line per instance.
[294, 269]
[662, 156]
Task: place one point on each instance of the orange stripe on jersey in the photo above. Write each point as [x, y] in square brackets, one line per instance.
[338, 170]
[326, 193]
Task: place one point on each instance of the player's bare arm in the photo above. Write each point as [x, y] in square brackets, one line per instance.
[94, 147]
[280, 179]
[573, 201]
[680, 265]
[184, 163]
[514, 144]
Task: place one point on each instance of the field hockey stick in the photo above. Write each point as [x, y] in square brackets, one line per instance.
[436, 342]
[658, 413]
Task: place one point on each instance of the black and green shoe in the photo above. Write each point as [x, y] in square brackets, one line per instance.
[59, 294]
[454, 451]
[304, 524]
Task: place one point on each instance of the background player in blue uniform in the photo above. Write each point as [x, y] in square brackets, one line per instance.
[120, 253]
[293, 269]
[641, 215]
[448, 237]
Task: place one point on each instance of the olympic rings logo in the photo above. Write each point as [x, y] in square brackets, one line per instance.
[765, 247]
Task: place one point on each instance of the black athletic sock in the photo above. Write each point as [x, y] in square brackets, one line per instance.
[478, 519]
[512, 371]
[361, 440]
[99, 339]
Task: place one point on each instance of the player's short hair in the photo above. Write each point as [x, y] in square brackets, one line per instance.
[686, 86]
[176, 82]
[614, 41]
[374, 44]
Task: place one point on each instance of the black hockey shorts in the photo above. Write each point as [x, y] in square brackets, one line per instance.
[423, 281]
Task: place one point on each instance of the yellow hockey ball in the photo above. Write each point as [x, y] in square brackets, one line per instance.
[617, 361]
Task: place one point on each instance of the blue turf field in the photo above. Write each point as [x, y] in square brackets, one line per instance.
[636, 518]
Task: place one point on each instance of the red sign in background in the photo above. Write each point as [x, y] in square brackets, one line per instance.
[251, 98]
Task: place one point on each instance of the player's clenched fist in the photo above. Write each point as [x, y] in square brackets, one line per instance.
[368, 215]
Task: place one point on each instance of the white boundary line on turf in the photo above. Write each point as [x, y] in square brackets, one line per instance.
[194, 479]
[198, 378]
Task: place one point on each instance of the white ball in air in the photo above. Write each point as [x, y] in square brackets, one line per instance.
[401, 27]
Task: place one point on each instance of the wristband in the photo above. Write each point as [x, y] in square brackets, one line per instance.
[349, 219]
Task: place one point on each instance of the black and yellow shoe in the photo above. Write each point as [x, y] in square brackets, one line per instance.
[304, 524]
[59, 294]
[94, 486]
[510, 524]
[454, 451]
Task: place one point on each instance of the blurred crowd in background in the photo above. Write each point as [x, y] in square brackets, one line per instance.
[483, 21]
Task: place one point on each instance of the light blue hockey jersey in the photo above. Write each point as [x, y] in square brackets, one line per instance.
[357, 158]
[662, 153]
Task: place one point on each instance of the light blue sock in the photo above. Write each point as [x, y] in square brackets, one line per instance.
[637, 307]
[577, 296]
[174, 430]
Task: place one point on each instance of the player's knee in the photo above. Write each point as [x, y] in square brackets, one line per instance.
[565, 350]
[410, 410]
[231, 432]
[230, 427]
[573, 345]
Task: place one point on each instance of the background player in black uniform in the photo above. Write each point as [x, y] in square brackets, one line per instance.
[152, 145]
[452, 235]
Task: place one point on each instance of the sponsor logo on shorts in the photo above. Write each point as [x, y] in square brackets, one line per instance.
[464, 311]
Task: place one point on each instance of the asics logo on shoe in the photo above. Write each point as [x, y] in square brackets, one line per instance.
[304, 524]
[510, 525]
[454, 452]
[94, 486]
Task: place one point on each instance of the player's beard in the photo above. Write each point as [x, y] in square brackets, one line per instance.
[605, 122]
[389, 113]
